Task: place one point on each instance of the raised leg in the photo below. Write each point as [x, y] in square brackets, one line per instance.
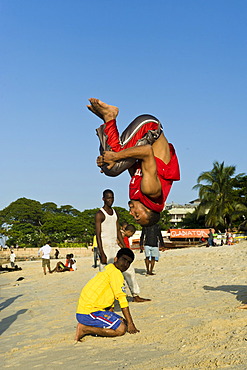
[104, 111]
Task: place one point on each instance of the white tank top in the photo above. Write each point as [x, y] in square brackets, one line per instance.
[109, 229]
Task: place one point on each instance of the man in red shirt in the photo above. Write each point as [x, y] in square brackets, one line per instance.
[145, 152]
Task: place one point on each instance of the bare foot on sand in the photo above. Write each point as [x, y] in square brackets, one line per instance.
[80, 332]
[244, 306]
[102, 110]
[139, 299]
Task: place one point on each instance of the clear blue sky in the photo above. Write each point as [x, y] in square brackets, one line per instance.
[183, 61]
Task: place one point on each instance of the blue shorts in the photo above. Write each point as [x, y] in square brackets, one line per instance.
[100, 319]
[152, 252]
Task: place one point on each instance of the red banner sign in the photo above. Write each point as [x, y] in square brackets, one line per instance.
[189, 233]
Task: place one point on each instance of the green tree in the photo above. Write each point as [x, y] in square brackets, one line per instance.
[165, 220]
[240, 185]
[23, 210]
[69, 210]
[193, 221]
[31, 223]
[49, 207]
[124, 215]
[219, 202]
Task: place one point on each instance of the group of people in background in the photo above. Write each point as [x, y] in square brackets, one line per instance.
[45, 252]
[217, 238]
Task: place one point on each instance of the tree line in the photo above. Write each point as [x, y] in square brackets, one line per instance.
[223, 199]
[223, 205]
[28, 223]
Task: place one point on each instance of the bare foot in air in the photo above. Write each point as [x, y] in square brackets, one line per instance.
[102, 110]
[139, 299]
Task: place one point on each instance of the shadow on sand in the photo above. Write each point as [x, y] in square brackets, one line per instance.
[7, 321]
[140, 271]
[240, 291]
[8, 302]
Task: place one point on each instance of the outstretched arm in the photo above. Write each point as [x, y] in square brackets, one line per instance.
[142, 238]
[131, 328]
[162, 244]
[119, 234]
[99, 218]
[150, 184]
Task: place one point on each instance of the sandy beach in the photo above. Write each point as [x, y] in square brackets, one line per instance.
[192, 321]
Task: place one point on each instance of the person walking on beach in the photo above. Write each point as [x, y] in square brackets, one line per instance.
[145, 152]
[96, 303]
[151, 239]
[108, 235]
[45, 252]
[12, 258]
[56, 254]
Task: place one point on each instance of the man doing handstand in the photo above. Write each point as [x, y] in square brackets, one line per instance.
[95, 306]
[145, 152]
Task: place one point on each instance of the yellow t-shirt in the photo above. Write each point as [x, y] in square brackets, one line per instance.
[95, 245]
[101, 291]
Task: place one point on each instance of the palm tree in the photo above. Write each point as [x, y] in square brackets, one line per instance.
[218, 198]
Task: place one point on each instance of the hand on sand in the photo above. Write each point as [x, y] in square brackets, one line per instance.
[140, 299]
[132, 329]
[244, 306]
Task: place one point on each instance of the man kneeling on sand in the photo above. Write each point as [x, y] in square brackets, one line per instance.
[95, 306]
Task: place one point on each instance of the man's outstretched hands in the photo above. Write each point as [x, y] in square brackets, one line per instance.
[100, 161]
[107, 157]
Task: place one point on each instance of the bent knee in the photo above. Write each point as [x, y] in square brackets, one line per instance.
[121, 330]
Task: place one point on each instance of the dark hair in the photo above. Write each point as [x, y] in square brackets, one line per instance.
[130, 227]
[153, 217]
[127, 252]
[107, 191]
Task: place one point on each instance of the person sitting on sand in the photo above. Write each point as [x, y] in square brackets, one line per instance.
[10, 269]
[67, 262]
[145, 152]
[96, 303]
[72, 263]
[60, 267]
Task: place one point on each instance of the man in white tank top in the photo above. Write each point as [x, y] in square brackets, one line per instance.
[108, 233]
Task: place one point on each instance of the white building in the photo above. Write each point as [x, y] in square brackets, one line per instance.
[179, 211]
